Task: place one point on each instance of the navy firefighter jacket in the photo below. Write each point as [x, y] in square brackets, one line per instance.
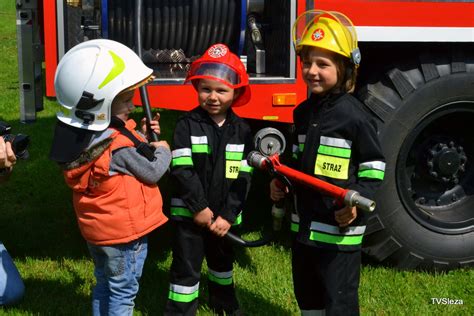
[210, 166]
[336, 141]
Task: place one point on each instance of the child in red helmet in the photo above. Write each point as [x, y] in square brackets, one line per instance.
[210, 146]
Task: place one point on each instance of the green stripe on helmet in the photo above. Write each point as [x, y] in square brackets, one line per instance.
[117, 69]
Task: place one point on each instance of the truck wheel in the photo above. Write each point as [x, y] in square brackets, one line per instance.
[425, 208]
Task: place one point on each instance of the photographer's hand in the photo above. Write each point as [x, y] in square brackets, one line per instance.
[7, 158]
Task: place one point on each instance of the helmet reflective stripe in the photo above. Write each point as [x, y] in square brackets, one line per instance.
[116, 70]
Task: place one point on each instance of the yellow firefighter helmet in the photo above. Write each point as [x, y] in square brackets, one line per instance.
[329, 30]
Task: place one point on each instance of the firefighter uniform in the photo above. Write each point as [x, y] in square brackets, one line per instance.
[335, 141]
[210, 167]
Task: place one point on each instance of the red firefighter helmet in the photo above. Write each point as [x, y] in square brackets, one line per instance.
[220, 64]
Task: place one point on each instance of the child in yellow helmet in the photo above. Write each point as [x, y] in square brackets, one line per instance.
[336, 141]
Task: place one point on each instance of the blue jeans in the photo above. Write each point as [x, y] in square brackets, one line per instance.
[118, 269]
[11, 285]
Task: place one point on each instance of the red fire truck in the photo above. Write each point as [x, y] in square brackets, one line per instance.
[416, 76]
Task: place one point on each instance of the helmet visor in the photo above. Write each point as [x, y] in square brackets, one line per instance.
[215, 71]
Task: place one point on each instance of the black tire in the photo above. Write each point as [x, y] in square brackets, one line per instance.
[425, 209]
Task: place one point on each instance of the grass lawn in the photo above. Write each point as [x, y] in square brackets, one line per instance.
[37, 225]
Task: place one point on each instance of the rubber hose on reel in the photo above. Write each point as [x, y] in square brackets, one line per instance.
[216, 21]
[230, 25]
[189, 25]
[172, 37]
[130, 24]
[149, 24]
[179, 24]
[207, 27]
[156, 25]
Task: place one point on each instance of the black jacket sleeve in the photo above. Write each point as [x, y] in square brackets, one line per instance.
[182, 169]
[371, 161]
[239, 188]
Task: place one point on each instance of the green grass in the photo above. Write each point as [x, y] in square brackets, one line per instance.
[37, 225]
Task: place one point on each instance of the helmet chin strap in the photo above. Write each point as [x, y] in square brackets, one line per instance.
[87, 101]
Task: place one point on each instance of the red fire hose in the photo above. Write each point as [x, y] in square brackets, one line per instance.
[344, 196]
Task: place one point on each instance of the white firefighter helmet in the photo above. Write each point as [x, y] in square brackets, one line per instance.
[90, 76]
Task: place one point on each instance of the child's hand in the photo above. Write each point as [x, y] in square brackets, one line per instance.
[277, 190]
[345, 216]
[161, 143]
[220, 227]
[154, 124]
[204, 218]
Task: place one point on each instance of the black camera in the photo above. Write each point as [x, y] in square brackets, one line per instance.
[19, 142]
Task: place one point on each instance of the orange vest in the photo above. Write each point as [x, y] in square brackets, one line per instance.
[114, 209]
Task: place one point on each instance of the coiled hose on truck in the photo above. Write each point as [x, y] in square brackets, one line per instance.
[189, 25]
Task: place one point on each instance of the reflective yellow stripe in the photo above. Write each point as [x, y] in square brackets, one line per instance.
[374, 174]
[295, 227]
[182, 161]
[183, 298]
[117, 69]
[336, 240]
[201, 149]
[238, 220]
[334, 151]
[229, 155]
[180, 211]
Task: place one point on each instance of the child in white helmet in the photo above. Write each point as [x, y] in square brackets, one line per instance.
[336, 141]
[209, 165]
[111, 168]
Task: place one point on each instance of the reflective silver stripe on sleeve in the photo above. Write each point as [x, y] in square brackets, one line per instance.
[295, 149]
[295, 218]
[334, 230]
[378, 165]
[301, 138]
[197, 140]
[335, 142]
[234, 147]
[182, 152]
[177, 202]
[181, 289]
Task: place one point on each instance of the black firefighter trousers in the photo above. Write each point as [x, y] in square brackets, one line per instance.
[190, 245]
[326, 279]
